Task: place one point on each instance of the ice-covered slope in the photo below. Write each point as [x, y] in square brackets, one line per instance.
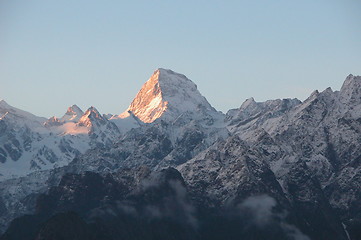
[29, 143]
[126, 122]
[26, 145]
[10, 113]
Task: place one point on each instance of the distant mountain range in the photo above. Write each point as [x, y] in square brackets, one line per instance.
[173, 167]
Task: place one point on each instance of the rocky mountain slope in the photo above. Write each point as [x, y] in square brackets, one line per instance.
[280, 169]
[141, 204]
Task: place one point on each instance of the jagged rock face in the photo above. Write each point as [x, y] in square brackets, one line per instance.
[324, 132]
[53, 121]
[91, 117]
[149, 104]
[252, 116]
[324, 129]
[234, 165]
[167, 95]
[73, 114]
[229, 172]
[344, 192]
[311, 205]
[351, 90]
[156, 146]
[102, 132]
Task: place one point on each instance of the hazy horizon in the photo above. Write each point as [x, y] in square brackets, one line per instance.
[84, 108]
[56, 54]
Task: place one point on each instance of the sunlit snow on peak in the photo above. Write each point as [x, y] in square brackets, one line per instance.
[166, 94]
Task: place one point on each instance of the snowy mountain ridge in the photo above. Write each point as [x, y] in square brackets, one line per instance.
[17, 115]
[30, 143]
[303, 157]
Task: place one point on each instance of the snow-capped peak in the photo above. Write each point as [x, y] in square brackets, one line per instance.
[89, 116]
[350, 81]
[168, 94]
[53, 121]
[73, 114]
[248, 103]
[351, 89]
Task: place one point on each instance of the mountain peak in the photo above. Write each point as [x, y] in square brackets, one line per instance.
[73, 114]
[92, 111]
[249, 102]
[351, 89]
[169, 94]
[53, 121]
[74, 108]
[91, 115]
[351, 81]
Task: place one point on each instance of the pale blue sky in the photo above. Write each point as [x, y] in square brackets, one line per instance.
[57, 53]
